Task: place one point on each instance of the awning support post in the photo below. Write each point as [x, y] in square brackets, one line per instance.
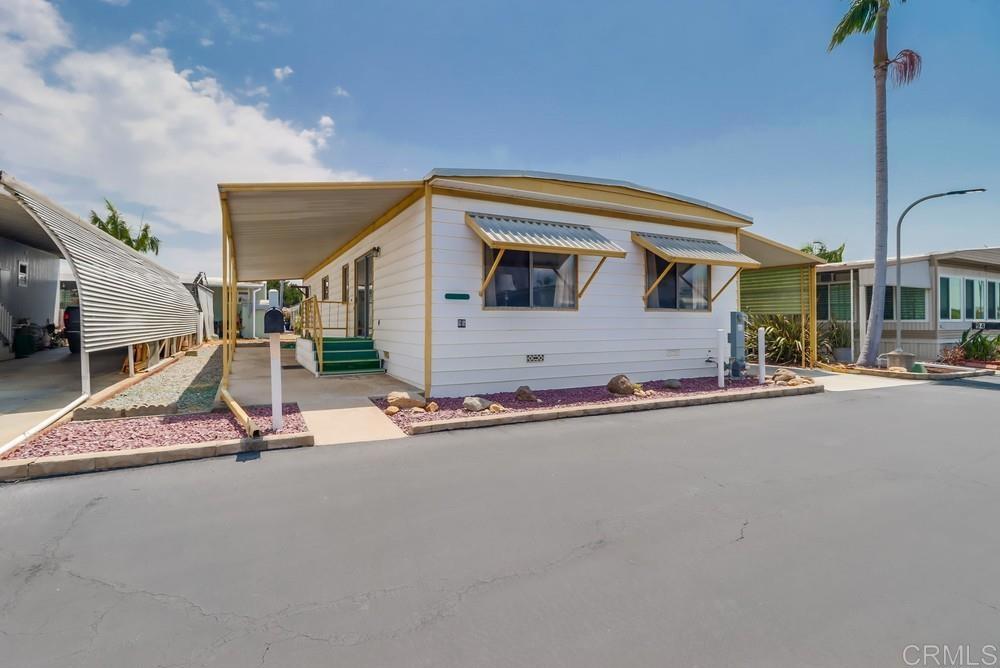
[131, 360]
[726, 285]
[493, 269]
[586, 285]
[657, 281]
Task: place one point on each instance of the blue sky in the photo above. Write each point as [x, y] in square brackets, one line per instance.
[734, 102]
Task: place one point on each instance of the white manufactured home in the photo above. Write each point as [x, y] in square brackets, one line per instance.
[478, 280]
[942, 295]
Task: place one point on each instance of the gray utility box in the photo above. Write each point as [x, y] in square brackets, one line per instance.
[737, 344]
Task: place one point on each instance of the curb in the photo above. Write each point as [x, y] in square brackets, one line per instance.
[546, 414]
[88, 462]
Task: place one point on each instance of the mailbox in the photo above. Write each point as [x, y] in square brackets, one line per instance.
[274, 321]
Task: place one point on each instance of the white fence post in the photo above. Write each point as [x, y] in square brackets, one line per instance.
[761, 357]
[721, 358]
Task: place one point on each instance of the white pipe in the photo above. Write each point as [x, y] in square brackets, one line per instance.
[276, 417]
[761, 357]
[85, 371]
[253, 313]
[17, 440]
[851, 274]
[720, 358]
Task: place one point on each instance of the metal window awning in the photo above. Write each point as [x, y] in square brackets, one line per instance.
[546, 236]
[693, 251]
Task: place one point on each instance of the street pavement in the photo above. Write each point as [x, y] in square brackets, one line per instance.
[823, 530]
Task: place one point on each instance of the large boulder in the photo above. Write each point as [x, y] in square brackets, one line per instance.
[672, 384]
[475, 404]
[784, 374]
[406, 399]
[620, 384]
[524, 393]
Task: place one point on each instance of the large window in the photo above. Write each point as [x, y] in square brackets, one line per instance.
[527, 279]
[993, 300]
[950, 297]
[913, 302]
[686, 287]
[975, 299]
[833, 302]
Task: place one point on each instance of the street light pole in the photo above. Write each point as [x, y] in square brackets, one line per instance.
[897, 290]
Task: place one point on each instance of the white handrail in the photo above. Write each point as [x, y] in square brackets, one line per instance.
[6, 326]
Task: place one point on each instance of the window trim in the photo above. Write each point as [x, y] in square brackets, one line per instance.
[345, 281]
[576, 279]
[828, 284]
[961, 297]
[666, 309]
[22, 277]
[324, 288]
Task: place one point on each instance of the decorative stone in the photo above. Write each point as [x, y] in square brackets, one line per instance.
[496, 408]
[784, 374]
[475, 404]
[524, 393]
[392, 410]
[418, 409]
[672, 384]
[406, 399]
[781, 382]
[620, 384]
[897, 369]
[432, 407]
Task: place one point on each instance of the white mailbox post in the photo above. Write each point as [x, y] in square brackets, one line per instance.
[274, 325]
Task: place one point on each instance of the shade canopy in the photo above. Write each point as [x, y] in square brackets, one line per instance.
[693, 251]
[770, 253]
[287, 230]
[541, 235]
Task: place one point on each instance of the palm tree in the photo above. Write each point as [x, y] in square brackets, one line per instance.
[116, 226]
[819, 249]
[863, 17]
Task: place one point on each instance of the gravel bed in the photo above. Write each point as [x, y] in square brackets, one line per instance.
[451, 407]
[191, 382]
[145, 432]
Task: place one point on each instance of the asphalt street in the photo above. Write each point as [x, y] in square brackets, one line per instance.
[824, 530]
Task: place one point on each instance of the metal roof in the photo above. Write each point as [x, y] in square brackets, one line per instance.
[694, 251]
[125, 297]
[988, 256]
[770, 253]
[530, 234]
[571, 178]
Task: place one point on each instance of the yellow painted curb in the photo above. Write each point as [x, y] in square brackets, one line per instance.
[545, 414]
[43, 467]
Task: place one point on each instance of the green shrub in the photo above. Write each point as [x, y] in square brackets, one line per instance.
[978, 346]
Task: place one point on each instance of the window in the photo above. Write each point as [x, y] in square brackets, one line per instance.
[993, 301]
[950, 297]
[833, 302]
[529, 279]
[913, 302]
[975, 299]
[22, 273]
[324, 288]
[686, 287]
[345, 278]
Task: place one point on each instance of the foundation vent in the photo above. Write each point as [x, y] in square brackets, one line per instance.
[534, 359]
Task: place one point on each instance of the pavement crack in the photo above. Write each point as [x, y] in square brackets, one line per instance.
[743, 528]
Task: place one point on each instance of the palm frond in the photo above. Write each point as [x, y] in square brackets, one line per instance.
[905, 67]
[860, 18]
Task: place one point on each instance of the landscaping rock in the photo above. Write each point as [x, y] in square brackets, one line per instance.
[620, 384]
[524, 393]
[783, 383]
[475, 404]
[392, 410]
[496, 408]
[406, 399]
[432, 407]
[783, 374]
[418, 409]
[897, 369]
[672, 384]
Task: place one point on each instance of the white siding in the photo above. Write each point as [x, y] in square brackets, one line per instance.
[36, 301]
[398, 291]
[610, 333]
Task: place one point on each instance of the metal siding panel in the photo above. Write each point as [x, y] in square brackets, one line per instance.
[771, 291]
[125, 298]
[558, 236]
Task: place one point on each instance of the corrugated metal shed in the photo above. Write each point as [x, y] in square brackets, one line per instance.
[529, 234]
[695, 251]
[125, 297]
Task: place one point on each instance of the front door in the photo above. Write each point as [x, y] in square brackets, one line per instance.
[364, 276]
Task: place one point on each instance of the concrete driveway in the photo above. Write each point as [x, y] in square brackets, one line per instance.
[825, 530]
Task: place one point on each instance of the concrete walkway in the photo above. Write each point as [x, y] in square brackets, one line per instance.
[844, 382]
[336, 408]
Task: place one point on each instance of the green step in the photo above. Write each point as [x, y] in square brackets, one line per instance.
[348, 344]
[351, 366]
[358, 372]
[348, 355]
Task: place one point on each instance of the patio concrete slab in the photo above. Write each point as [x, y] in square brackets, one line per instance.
[336, 408]
[843, 382]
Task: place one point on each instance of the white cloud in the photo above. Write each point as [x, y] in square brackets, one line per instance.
[116, 3]
[340, 91]
[282, 73]
[129, 125]
[206, 41]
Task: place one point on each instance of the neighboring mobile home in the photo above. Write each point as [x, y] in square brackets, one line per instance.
[480, 280]
[943, 294]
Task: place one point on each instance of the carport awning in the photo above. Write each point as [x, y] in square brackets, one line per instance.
[771, 254]
[541, 235]
[288, 230]
[693, 251]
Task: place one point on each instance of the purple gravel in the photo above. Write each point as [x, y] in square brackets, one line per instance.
[144, 432]
[451, 407]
